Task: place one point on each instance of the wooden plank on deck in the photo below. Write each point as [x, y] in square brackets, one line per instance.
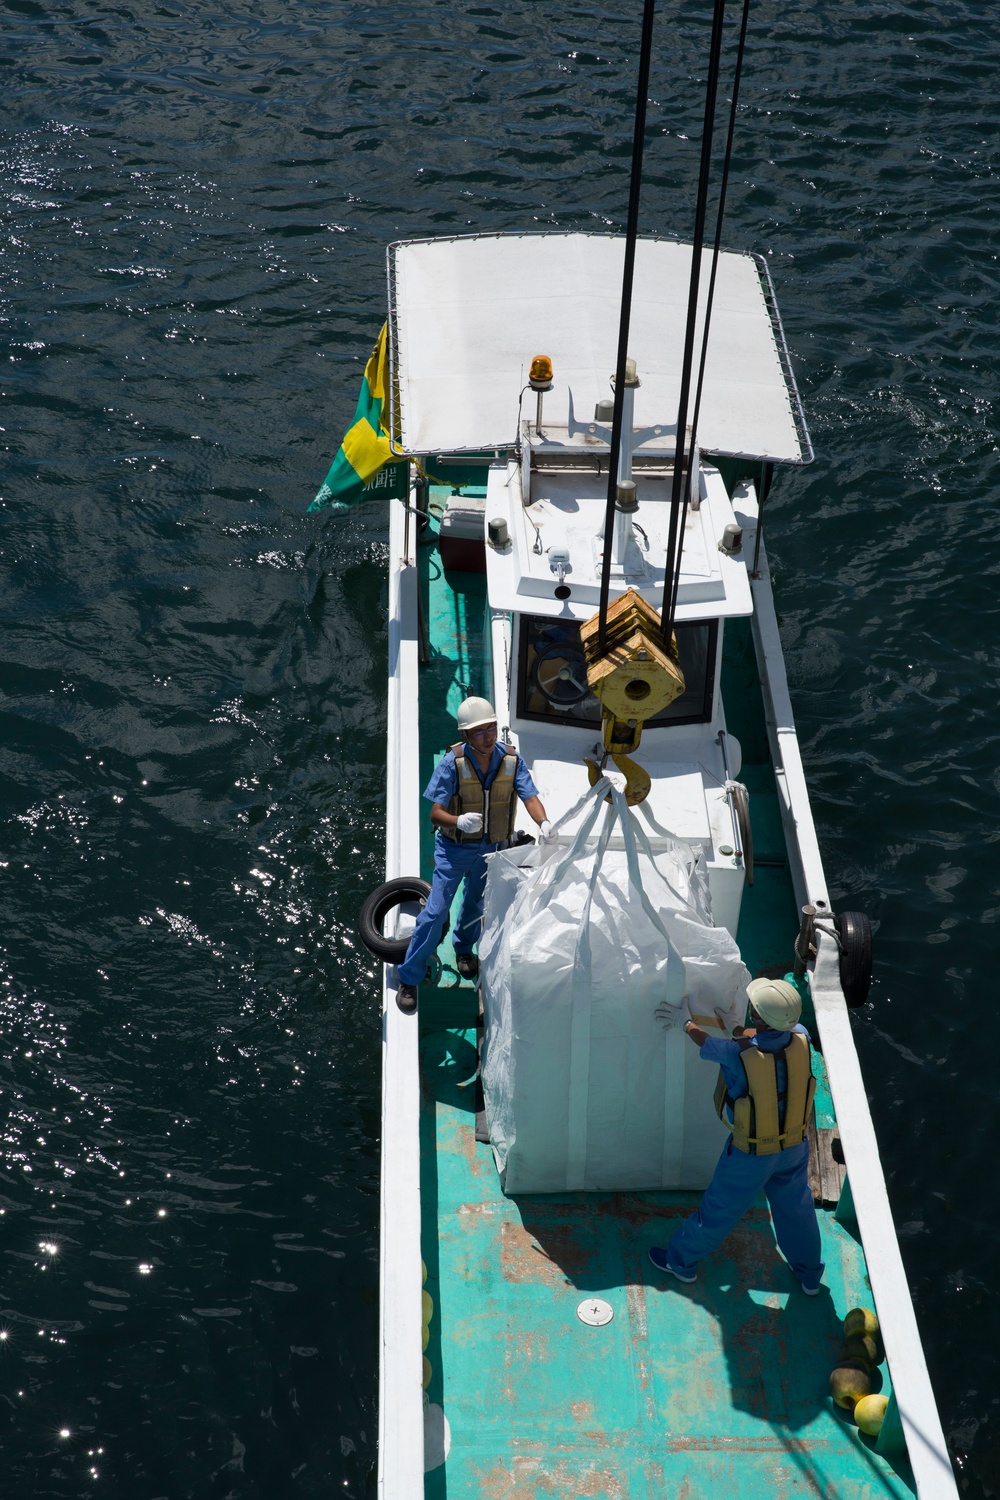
[826, 1173]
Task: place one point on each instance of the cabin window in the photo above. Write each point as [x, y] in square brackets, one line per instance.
[552, 675]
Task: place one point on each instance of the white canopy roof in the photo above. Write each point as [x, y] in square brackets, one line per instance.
[467, 316]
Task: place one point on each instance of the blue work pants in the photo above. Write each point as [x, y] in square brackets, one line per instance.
[783, 1178]
[453, 863]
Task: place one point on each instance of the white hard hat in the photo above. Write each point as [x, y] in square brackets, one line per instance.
[776, 1001]
[473, 713]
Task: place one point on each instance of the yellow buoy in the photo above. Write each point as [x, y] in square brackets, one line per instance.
[427, 1372]
[423, 1274]
[428, 1305]
[870, 1414]
[426, 1337]
[848, 1383]
[861, 1320]
[863, 1348]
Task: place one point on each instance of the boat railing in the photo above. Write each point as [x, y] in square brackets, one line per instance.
[795, 400]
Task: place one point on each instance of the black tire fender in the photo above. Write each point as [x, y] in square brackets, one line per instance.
[855, 933]
[376, 907]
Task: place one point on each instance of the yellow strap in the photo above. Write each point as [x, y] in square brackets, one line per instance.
[800, 1094]
[468, 798]
[470, 788]
[762, 1078]
[501, 801]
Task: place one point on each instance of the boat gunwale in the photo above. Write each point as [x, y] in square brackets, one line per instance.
[911, 1383]
[401, 1403]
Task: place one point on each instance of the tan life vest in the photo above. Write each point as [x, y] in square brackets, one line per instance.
[756, 1129]
[498, 805]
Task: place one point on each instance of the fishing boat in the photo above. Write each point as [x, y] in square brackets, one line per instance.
[495, 570]
[585, 508]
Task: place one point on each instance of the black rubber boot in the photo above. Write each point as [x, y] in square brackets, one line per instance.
[406, 998]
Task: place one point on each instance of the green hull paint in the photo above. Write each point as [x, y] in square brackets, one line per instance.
[704, 1391]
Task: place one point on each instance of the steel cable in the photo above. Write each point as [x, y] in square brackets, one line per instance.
[631, 234]
[674, 542]
[716, 250]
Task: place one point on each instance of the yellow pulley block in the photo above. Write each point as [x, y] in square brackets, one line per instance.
[634, 678]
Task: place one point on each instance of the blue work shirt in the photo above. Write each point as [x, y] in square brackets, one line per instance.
[443, 784]
[726, 1052]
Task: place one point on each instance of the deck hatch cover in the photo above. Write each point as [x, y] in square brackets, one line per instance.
[595, 1312]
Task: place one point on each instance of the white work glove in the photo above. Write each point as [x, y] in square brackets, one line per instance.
[545, 834]
[470, 823]
[670, 1016]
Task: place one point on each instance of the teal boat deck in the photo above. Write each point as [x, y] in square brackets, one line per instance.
[714, 1389]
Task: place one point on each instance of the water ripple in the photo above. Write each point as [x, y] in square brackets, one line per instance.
[193, 217]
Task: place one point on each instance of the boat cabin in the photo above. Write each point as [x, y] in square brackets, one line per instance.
[469, 318]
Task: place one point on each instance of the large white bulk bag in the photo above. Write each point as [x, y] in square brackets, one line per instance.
[584, 1089]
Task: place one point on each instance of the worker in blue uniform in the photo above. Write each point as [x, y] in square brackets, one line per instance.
[765, 1092]
[473, 795]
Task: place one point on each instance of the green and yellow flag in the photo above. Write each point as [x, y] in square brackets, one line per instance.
[362, 469]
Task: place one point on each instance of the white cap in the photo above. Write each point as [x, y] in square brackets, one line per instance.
[776, 1001]
[473, 713]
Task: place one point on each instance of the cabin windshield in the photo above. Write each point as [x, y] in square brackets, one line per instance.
[552, 675]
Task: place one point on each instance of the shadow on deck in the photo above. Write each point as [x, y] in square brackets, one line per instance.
[716, 1388]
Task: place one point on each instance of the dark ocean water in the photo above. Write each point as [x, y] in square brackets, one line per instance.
[195, 205]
